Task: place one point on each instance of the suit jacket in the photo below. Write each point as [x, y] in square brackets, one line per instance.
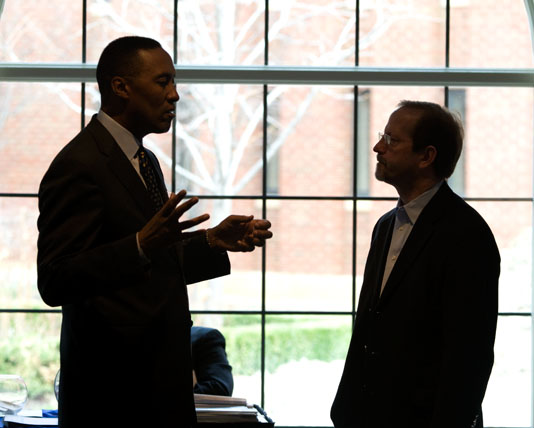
[125, 336]
[421, 354]
[214, 374]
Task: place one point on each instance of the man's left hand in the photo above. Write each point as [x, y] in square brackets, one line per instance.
[239, 233]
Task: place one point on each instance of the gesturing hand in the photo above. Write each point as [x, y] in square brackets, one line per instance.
[165, 229]
[239, 233]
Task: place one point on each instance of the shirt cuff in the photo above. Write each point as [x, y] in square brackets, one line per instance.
[142, 255]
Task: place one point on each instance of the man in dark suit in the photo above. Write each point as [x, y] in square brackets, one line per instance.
[422, 347]
[212, 374]
[114, 252]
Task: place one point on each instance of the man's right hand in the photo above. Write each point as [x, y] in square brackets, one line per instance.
[165, 229]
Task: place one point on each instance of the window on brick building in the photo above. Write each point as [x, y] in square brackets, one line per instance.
[456, 103]
[363, 173]
[280, 81]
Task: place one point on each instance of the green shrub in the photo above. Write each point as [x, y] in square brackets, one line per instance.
[287, 339]
[29, 344]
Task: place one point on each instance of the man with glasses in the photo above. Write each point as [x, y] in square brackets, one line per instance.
[422, 347]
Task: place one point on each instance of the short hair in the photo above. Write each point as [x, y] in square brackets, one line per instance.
[438, 127]
[119, 58]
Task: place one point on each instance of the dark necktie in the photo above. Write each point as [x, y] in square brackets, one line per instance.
[151, 179]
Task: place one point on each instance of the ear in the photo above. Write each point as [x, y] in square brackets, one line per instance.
[428, 156]
[119, 87]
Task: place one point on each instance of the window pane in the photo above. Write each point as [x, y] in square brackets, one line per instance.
[498, 142]
[305, 356]
[212, 32]
[37, 120]
[362, 170]
[30, 31]
[92, 100]
[18, 240]
[402, 33]
[490, 33]
[241, 290]
[242, 334]
[219, 139]
[17, 263]
[108, 20]
[314, 32]
[511, 223]
[311, 135]
[382, 102]
[508, 399]
[29, 347]
[310, 256]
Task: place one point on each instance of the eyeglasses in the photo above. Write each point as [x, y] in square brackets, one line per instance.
[387, 138]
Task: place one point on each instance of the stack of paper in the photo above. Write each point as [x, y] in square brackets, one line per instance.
[217, 408]
[205, 400]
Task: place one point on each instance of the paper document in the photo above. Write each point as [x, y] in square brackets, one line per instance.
[27, 420]
[206, 400]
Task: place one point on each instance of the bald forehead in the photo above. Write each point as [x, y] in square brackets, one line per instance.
[404, 120]
[408, 113]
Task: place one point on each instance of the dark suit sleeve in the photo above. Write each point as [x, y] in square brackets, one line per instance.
[469, 316]
[214, 374]
[201, 263]
[73, 263]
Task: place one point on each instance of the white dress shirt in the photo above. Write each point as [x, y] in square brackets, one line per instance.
[405, 219]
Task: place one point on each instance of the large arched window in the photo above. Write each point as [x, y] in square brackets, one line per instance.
[280, 105]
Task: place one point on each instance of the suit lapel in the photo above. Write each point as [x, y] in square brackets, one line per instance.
[121, 167]
[422, 231]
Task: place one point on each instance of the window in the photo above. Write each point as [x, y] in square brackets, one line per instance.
[278, 83]
[364, 138]
[456, 103]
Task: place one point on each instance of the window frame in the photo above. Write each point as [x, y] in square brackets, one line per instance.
[279, 75]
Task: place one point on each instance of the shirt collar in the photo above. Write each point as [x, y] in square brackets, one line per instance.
[410, 212]
[124, 138]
